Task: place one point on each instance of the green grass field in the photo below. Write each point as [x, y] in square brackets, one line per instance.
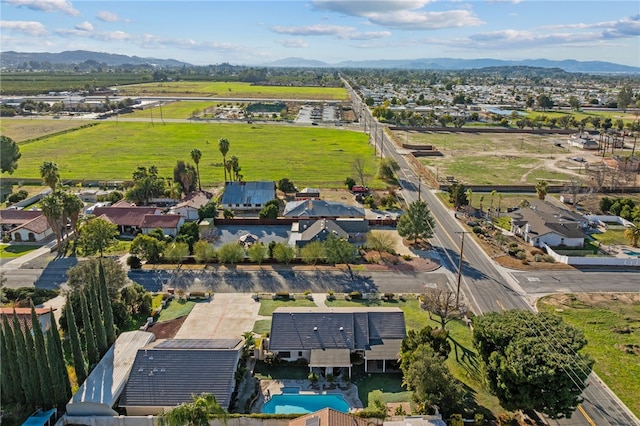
[15, 250]
[267, 306]
[174, 110]
[308, 156]
[612, 328]
[176, 309]
[235, 90]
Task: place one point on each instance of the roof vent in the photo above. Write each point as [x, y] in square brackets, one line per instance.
[315, 328]
[341, 328]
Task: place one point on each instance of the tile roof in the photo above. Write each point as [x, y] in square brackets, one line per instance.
[321, 208]
[248, 193]
[38, 225]
[329, 417]
[161, 221]
[18, 217]
[124, 216]
[167, 374]
[195, 200]
[335, 328]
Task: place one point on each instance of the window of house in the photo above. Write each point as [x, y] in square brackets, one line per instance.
[284, 354]
[299, 353]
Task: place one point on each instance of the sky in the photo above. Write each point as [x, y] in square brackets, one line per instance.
[256, 32]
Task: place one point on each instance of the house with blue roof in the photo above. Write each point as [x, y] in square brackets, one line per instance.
[247, 196]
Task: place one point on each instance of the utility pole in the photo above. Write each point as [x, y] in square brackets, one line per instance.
[460, 267]
[419, 188]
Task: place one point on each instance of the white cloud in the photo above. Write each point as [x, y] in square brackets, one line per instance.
[341, 32]
[84, 26]
[62, 6]
[401, 14]
[106, 16]
[32, 28]
[295, 43]
[625, 27]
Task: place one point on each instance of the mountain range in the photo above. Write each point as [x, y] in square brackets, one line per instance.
[13, 60]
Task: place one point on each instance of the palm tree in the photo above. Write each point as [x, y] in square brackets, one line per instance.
[632, 232]
[196, 155]
[73, 206]
[499, 202]
[53, 209]
[542, 189]
[50, 173]
[493, 194]
[223, 146]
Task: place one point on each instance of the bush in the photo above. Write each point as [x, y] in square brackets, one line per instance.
[134, 262]
[284, 295]
[18, 196]
[478, 230]
[548, 258]
[521, 255]
[388, 296]
[355, 295]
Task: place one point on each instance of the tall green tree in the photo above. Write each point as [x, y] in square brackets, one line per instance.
[542, 188]
[35, 379]
[93, 356]
[96, 236]
[107, 311]
[196, 155]
[283, 253]
[76, 345]
[146, 185]
[197, 413]
[147, 248]
[632, 233]
[533, 361]
[339, 250]
[313, 252]
[186, 175]
[416, 222]
[24, 363]
[9, 154]
[50, 174]
[98, 324]
[42, 361]
[258, 252]
[625, 97]
[458, 195]
[223, 146]
[58, 363]
[12, 390]
[72, 206]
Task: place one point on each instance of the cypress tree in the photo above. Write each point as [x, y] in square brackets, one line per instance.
[24, 362]
[64, 385]
[89, 335]
[8, 363]
[42, 361]
[107, 311]
[34, 373]
[98, 325]
[76, 345]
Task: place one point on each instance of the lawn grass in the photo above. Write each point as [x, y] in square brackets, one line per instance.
[308, 156]
[156, 301]
[15, 250]
[217, 89]
[267, 306]
[176, 309]
[262, 327]
[384, 387]
[611, 237]
[174, 110]
[612, 328]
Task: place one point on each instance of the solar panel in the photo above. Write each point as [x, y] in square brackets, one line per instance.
[313, 421]
[198, 344]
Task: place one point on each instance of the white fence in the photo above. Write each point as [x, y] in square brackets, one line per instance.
[592, 261]
[153, 421]
[601, 219]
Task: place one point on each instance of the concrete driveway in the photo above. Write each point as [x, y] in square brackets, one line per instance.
[226, 315]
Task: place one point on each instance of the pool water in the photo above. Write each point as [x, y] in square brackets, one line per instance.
[301, 404]
[631, 253]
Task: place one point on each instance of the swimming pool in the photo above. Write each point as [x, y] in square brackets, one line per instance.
[292, 403]
[631, 253]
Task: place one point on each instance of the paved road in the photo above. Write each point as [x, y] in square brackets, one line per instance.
[489, 288]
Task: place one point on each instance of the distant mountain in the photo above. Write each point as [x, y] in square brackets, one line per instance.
[13, 59]
[452, 64]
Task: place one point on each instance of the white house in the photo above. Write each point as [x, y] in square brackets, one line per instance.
[543, 223]
[34, 231]
[188, 208]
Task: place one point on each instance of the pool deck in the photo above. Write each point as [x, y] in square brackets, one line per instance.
[348, 390]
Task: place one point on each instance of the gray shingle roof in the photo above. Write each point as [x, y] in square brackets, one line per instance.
[170, 372]
[335, 328]
[545, 218]
[320, 208]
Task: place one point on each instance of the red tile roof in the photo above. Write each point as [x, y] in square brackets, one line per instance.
[124, 216]
[37, 225]
[18, 217]
[161, 221]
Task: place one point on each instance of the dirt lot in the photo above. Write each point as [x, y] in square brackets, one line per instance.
[167, 329]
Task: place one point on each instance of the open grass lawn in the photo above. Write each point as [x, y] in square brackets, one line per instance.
[611, 324]
[262, 327]
[232, 90]
[179, 110]
[22, 129]
[463, 360]
[384, 387]
[176, 309]
[495, 159]
[308, 156]
[267, 306]
[15, 250]
[612, 237]
[579, 115]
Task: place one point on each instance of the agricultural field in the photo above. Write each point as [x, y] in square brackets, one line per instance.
[232, 90]
[611, 324]
[579, 115]
[501, 159]
[35, 83]
[22, 129]
[309, 156]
